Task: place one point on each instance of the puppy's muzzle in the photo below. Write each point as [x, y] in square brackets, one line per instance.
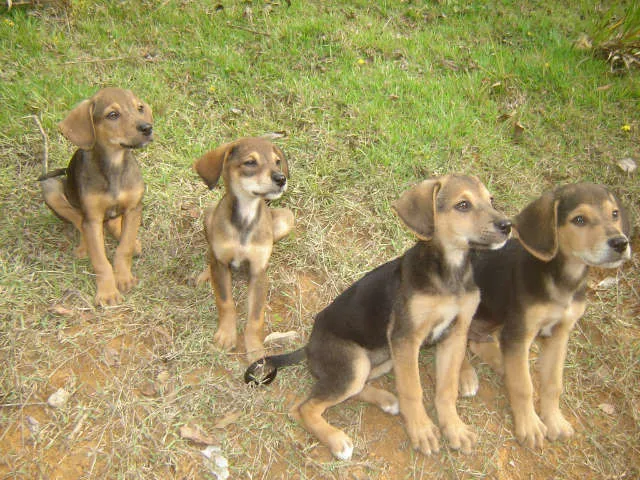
[145, 128]
[503, 226]
[279, 179]
[619, 244]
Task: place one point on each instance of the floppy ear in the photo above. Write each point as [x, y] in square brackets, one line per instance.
[417, 208]
[537, 227]
[625, 219]
[209, 166]
[78, 126]
[285, 165]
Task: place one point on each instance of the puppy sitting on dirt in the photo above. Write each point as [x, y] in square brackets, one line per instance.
[380, 322]
[535, 288]
[242, 228]
[103, 184]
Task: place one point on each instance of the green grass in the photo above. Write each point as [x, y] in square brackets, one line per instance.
[373, 97]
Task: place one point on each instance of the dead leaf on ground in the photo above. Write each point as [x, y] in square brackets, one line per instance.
[518, 131]
[59, 398]
[148, 389]
[228, 419]
[607, 408]
[627, 165]
[197, 434]
[60, 310]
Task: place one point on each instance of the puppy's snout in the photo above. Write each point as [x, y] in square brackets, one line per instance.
[619, 244]
[504, 226]
[279, 179]
[145, 128]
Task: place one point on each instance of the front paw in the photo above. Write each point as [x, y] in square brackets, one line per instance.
[558, 428]
[530, 431]
[125, 281]
[424, 436]
[460, 436]
[226, 337]
[107, 296]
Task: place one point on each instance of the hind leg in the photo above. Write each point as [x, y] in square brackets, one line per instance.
[342, 375]
[56, 200]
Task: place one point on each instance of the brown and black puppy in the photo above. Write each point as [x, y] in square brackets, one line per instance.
[103, 184]
[380, 322]
[535, 288]
[241, 228]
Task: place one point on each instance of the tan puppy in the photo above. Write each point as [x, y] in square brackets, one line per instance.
[380, 322]
[535, 288]
[242, 228]
[103, 184]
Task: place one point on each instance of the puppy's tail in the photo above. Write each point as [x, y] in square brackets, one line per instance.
[263, 371]
[54, 173]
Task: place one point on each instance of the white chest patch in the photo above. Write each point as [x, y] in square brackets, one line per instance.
[447, 314]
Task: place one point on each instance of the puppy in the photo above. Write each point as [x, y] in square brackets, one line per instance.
[103, 184]
[380, 322]
[535, 288]
[241, 228]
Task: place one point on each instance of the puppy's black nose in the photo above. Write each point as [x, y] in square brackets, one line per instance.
[619, 244]
[504, 226]
[279, 179]
[145, 128]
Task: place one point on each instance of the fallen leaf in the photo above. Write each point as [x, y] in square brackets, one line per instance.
[607, 408]
[148, 389]
[274, 135]
[195, 433]
[607, 283]
[518, 131]
[59, 398]
[227, 419]
[281, 337]
[627, 165]
[60, 310]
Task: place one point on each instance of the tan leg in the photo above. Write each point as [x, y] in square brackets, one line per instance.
[106, 291]
[530, 430]
[450, 353]
[114, 226]
[469, 383]
[386, 401]
[421, 430]
[226, 337]
[282, 222]
[254, 332]
[489, 353]
[56, 200]
[551, 362]
[124, 253]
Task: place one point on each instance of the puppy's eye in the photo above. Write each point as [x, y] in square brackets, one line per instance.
[578, 220]
[250, 163]
[278, 162]
[615, 214]
[113, 115]
[463, 206]
[141, 108]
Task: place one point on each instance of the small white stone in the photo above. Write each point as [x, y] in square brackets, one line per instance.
[59, 398]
